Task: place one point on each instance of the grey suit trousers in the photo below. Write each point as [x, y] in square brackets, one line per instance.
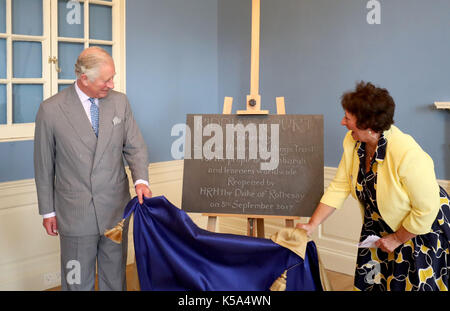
[79, 255]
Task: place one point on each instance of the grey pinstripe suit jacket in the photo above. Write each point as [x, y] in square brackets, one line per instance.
[79, 176]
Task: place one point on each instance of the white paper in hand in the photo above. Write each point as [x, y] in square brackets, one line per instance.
[369, 242]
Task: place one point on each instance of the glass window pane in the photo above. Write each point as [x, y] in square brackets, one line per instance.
[107, 48]
[3, 16]
[2, 58]
[63, 86]
[2, 104]
[26, 101]
[70, 19]
[67, 57]
[24, 23]
[100, 22]
[27, 59]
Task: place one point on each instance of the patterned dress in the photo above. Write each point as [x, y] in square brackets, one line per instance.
[420, 264]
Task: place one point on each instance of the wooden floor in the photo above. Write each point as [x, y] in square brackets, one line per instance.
[131, 283]
[338, 281]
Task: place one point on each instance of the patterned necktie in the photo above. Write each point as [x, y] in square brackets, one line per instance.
[94, 116]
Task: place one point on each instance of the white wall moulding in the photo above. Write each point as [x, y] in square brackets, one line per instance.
[442, 105]
[29, 258]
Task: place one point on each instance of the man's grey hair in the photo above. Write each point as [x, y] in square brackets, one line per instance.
[89, 62]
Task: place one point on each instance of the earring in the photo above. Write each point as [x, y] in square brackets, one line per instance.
[370, 132]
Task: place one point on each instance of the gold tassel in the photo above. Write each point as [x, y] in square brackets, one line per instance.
[280, 283]
[295, 240]
[115, 234]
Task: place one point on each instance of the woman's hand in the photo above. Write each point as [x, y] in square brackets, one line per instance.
[309, 228]
[388, 243]
[320, 214]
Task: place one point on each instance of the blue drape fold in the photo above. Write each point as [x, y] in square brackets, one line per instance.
[173, 253]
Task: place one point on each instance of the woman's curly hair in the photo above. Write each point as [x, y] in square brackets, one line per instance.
[372, 106]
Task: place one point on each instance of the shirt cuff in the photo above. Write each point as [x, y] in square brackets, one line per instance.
[49, 215]
[141, 181]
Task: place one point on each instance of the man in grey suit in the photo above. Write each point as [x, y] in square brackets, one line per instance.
[82, 134]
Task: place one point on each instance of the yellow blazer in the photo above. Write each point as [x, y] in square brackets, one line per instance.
[407, 190]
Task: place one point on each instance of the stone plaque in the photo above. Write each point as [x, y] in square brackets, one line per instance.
[253, 165]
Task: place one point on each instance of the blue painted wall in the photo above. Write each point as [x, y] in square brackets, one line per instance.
[171, 66]
[184, 56]
[314, 50]
[171, 71]
[16, 161]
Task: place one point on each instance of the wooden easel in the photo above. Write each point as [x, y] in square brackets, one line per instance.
[255, 223]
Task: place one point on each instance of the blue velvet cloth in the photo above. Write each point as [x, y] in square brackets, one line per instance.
[174, 254]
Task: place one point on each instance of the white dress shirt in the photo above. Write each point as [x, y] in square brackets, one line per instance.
[85, 101]
[87, 108]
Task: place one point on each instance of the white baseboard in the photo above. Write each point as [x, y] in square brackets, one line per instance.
[29, 258]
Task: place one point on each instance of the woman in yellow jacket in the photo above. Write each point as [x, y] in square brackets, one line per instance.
[401, 202]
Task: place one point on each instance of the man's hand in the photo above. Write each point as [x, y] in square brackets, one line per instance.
[142, 190]
[51, 226]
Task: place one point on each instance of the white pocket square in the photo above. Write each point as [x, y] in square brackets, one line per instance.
[116, 120]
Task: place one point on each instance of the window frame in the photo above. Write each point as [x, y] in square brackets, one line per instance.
[49, 40]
